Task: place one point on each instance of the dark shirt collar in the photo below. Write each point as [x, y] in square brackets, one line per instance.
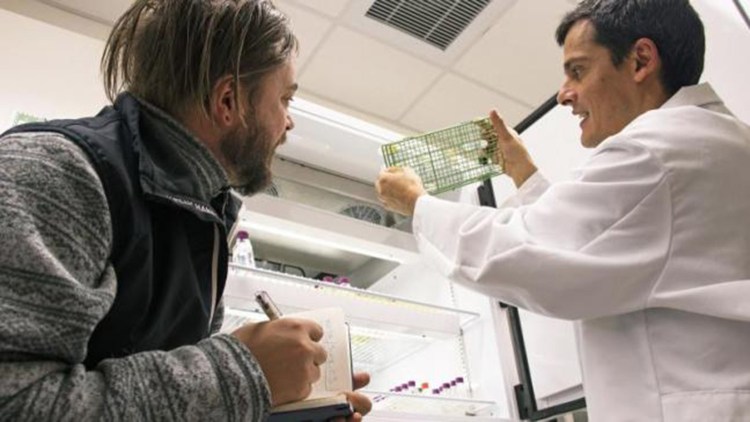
[173, 161]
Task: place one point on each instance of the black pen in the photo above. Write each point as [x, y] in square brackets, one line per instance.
[265, 302]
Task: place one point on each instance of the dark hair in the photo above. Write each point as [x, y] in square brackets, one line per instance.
[673, 25]
[171, 53]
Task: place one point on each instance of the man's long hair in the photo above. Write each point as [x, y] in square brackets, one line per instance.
[172, 53]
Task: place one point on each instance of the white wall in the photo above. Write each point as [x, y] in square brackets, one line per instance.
[727, 53]
[47, 71]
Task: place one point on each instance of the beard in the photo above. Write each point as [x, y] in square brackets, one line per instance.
[248, 152]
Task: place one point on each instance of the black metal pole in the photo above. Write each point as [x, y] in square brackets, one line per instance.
[743, 12]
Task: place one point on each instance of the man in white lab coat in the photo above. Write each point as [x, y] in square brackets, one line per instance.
[648, 248]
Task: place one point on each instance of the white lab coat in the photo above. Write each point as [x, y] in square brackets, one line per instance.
[648, 249]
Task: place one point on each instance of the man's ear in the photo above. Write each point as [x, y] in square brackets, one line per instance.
[224, 109]
[647, 62]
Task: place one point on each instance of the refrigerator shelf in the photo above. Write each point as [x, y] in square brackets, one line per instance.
[363, 308]
[235, 318]
[283, 231]
[372, 350]
[429, 404]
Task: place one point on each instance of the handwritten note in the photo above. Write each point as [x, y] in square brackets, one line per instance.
[336, 372]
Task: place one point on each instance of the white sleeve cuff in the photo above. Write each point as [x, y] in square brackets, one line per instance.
[529, 191]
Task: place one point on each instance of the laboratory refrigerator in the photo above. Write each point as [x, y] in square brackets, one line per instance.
[436, 351]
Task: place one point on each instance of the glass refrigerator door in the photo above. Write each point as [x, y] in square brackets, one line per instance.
[543, 349]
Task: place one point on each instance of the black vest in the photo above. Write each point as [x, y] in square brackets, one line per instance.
[163, 242]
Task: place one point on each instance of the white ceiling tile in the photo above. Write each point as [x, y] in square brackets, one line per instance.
[519, 55]
[309, 28]
[454, 99]
[104, 11]
[331, 8]
[362, 75]
[360, 72]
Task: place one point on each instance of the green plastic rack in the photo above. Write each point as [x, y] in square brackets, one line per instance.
[449, 158]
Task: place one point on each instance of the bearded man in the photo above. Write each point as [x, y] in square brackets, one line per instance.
[114, 235]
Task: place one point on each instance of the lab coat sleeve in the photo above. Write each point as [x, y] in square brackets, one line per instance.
[529, 192]
[56, 284]
[591, 247]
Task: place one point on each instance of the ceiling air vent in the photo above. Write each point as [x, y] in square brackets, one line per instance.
[437, 22]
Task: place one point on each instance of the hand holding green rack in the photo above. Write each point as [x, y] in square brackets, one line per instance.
[449, 158]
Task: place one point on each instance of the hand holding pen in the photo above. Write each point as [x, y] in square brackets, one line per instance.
[287, 350]
[267, 305]
[360, 402]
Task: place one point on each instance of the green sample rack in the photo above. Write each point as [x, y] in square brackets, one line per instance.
[449, 158]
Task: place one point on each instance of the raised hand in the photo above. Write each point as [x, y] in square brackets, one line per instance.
[398, 189]
[511, 152]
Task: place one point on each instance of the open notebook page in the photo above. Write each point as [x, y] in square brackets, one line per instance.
[336, 372]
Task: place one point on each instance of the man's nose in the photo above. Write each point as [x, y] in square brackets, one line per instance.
[289, 122]
[565, 96]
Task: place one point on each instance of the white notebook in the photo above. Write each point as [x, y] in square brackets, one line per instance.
[335, 373]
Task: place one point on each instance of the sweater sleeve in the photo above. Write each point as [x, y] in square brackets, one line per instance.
[56, 284]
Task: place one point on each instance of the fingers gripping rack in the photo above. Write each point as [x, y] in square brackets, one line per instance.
[449, 158]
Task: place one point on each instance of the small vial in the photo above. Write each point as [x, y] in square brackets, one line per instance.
[425, 388]
[243, 250]
[461, 387]
[446, 387]
[412, 387]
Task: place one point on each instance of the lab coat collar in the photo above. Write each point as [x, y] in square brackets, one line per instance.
[700, 95]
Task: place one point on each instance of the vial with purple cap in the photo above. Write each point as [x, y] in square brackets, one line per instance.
[242, 254]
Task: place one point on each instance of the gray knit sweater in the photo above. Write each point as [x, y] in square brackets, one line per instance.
[56, 284]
